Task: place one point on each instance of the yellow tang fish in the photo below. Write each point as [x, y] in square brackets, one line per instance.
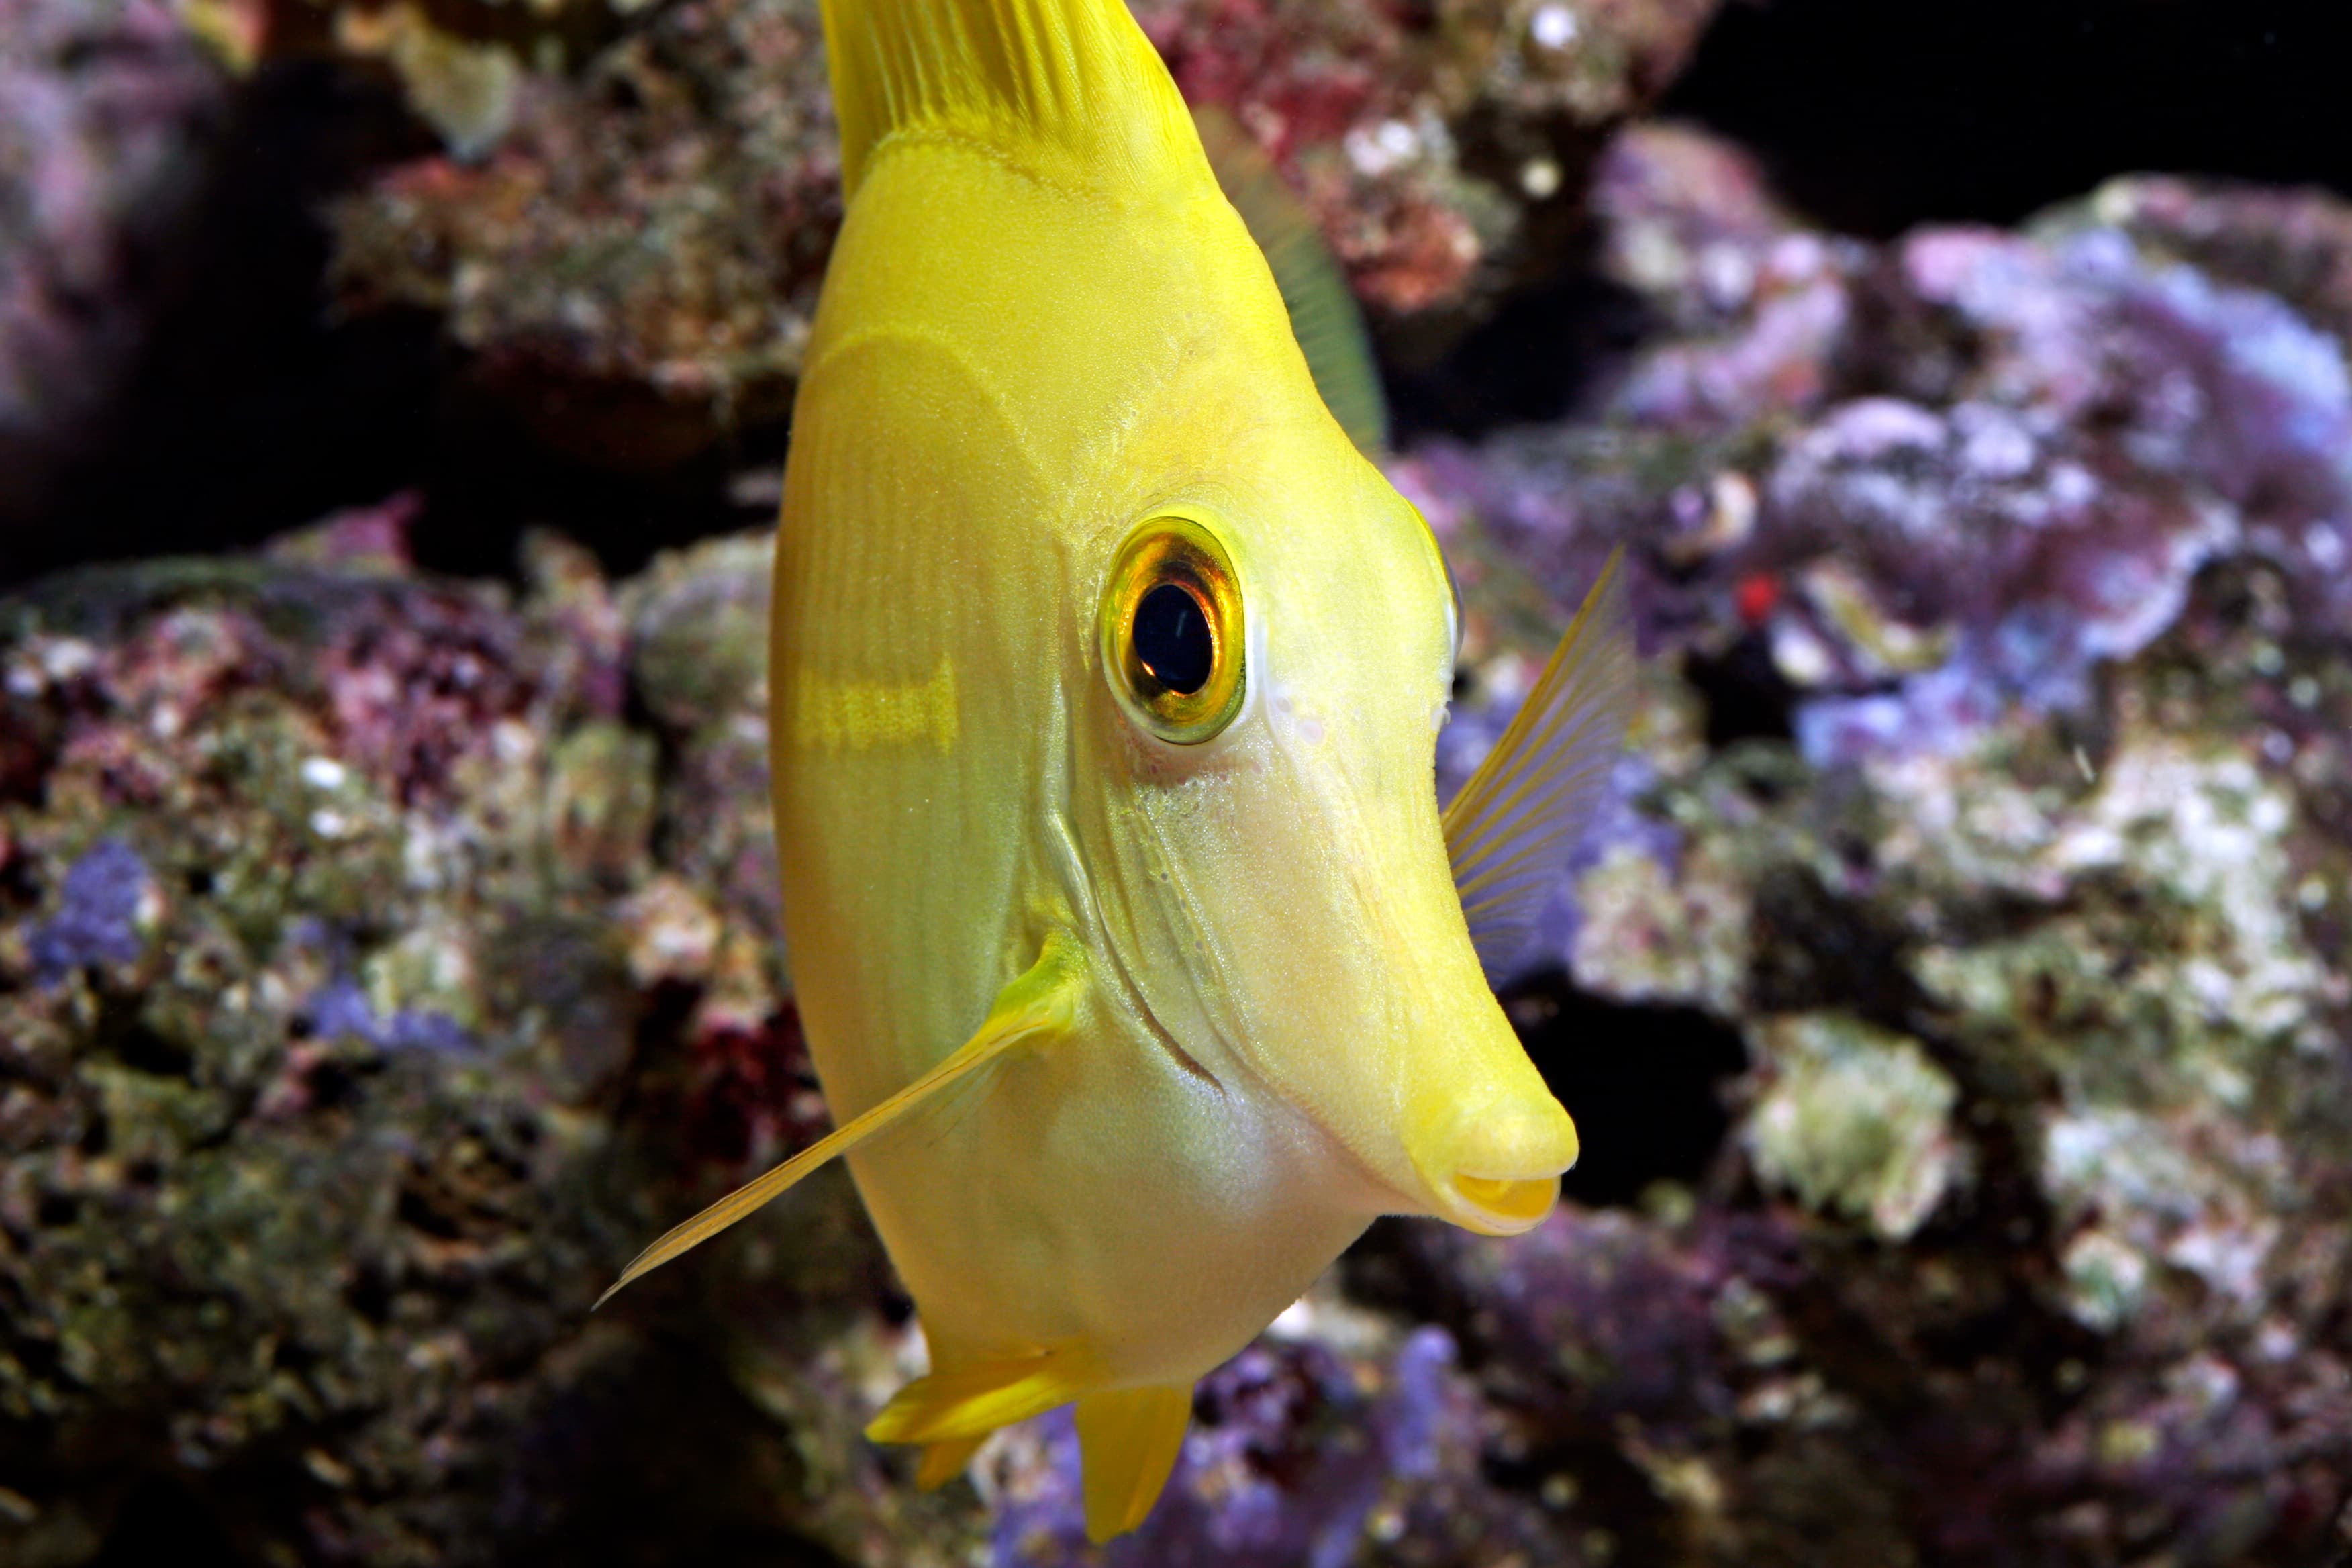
[1107, 674]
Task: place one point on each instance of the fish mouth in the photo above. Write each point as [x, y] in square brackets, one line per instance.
[1503, 1205]
[1496, 1169]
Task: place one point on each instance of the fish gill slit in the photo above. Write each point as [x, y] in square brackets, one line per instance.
[1133, 995]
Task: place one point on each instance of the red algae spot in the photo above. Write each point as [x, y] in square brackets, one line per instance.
[753, 1097]
[1757, 596]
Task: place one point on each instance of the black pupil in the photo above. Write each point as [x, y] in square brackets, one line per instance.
[1171, 639]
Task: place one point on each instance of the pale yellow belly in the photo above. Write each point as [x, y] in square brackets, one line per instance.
[1103, 1196]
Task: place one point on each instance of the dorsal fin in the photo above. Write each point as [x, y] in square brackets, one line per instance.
[1323, 313]
[1074, 80]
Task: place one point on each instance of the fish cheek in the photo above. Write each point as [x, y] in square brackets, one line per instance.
[1276, 890]
[1155, 885]
[1367, 993]
[1235, 907]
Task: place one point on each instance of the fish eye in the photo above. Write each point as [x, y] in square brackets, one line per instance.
[1171, 631]
[1171, 639]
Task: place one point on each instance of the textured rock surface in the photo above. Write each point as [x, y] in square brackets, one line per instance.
[633, 244]
[2000, 807]
[369, 988]
[634, 250]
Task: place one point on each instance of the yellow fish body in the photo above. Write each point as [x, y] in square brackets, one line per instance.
[1106, 673]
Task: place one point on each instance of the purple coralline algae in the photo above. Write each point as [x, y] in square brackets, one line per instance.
[1299, 1453]
[1931, 479]
[97, 914]
[342, 1008]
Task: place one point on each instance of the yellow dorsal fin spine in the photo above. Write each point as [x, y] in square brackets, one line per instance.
[1075, 80]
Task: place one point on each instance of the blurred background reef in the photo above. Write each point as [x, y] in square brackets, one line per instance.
[1955, 999]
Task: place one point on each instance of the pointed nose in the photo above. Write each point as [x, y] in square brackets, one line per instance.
[1497, 1168]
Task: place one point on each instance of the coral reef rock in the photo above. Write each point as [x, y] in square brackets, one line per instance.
[1989, 780]
[627, 231]
[371, 987]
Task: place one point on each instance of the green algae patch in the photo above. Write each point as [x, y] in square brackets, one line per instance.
[1853, 1119]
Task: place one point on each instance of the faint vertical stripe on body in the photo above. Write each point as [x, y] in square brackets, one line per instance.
[854, 715]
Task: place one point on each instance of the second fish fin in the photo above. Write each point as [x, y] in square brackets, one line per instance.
[943, 1462]
[1323, 313]
[964, 1403]
[1510, 830]
[1041, 1005]
[1128, 1442]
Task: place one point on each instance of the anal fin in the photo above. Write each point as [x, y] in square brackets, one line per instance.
[1040, 1006]
[943, 1462]
[967, 1401]
[1128, 1441]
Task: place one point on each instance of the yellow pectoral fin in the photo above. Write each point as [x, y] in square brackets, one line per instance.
[1041, 1005]
[1128, 1443]
[943, 1462]
[966, 1403]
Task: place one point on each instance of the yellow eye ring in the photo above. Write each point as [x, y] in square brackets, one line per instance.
[1172, 631]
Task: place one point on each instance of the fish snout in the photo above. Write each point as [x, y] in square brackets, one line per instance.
[1495, 1167]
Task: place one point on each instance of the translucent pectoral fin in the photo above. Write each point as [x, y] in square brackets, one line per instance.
[1041, 1005]
[1128, 1441]
[1511, 829]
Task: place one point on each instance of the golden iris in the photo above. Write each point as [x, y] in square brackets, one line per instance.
[1172, 630]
